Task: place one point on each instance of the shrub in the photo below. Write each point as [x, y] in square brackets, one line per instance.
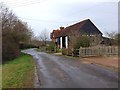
[84, 41]
[27, 46]
[67, 51]
[10, 49]
[51, 47]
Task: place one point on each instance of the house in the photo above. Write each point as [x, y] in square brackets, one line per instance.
[62, 36]
[108, 41]
[55, 34]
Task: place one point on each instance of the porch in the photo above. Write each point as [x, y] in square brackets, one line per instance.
[62, 42]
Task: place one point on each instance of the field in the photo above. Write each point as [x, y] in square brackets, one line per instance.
[18, 73]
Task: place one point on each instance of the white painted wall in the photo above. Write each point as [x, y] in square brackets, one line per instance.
[66, 41]
[61, 42]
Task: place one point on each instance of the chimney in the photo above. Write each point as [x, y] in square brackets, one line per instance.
[61, 28]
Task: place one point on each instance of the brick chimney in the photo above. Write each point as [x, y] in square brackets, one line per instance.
[61, 28]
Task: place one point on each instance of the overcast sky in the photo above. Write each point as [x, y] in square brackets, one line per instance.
[51, 14]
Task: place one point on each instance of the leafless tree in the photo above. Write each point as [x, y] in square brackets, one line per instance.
[74, 38]
[114, 37]
[77, 40]
[35, 41]
[14, 31]
[84, 40]
[95, 40]
[111, 34]
[117, 38]
[44, 37]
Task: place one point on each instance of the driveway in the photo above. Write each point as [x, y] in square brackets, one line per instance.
[60, 72]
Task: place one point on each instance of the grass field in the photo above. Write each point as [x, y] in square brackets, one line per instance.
[18, 73]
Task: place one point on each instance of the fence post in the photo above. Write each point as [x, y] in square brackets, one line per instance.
[79, 51]
[62, 51]
[111, 50]
[72, 52]
[98, 51]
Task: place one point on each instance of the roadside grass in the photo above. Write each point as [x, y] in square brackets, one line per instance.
[0, 76]
[18, 73]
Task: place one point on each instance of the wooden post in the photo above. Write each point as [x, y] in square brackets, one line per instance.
[72, 52]
[79, 52]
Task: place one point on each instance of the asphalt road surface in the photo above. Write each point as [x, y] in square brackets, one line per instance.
[60, 72]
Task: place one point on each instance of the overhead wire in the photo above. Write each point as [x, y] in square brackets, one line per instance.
[26, 3]
[18, 2]
[29, 4]
[83, 10]
[44, 20]
[56, 21]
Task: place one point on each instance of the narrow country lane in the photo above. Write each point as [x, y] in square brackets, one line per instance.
[60, 72]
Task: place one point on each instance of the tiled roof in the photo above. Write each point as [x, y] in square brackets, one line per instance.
[54, 34]
[85, 26]
[69, 29]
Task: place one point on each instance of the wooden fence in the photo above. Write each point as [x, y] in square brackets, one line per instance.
[99, 51]
[93, 51]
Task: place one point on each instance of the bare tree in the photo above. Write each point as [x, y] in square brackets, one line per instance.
[10, 49]
[117, 39]
[35, 41]
[77, 40]
[95, 40]
[14, 31]
[44, 37]
[111, 34]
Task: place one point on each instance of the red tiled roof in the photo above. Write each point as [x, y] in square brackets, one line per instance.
[54, 34]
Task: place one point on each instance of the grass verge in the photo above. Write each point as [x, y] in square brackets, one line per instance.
[0, 76]
[18, 73]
